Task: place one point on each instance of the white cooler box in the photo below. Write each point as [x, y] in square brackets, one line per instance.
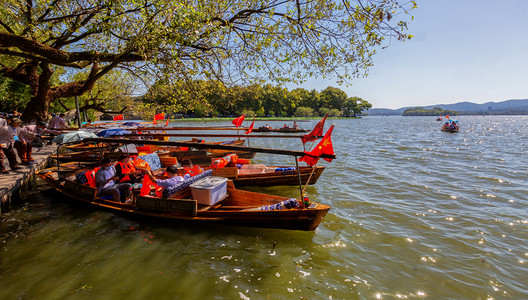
[209, 190]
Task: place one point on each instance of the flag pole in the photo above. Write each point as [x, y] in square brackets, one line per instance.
[300, 181]
[309, 177]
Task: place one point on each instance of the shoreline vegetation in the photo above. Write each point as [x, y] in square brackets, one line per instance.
[435, 111]
[249, 120]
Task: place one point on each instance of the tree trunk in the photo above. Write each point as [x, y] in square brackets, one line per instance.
[36, 109]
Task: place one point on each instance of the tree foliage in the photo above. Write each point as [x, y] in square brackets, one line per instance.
[303, 111]
[354, 106]
[232, 41]
[255, 100]
[13, 95]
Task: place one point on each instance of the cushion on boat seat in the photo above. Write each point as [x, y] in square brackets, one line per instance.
[130, 149]
[81, 178]
[176, 188]
[153, 160]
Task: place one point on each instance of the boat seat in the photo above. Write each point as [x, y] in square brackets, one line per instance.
[176, 188]
[153, 161]
[111, 198]
[129, 149]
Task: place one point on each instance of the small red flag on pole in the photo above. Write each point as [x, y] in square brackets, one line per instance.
[315, 133]
[160, 116]
[119, 117]
[324, 147]
[238, 121]
[167, 123]
[250, 129]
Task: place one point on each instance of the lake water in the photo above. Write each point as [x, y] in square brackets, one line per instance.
[416, 213]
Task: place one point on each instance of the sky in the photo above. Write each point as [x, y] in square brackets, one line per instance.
[462, 50]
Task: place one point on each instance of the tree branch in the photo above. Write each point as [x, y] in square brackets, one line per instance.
[62, 104]
[59, 57]
[6, 26]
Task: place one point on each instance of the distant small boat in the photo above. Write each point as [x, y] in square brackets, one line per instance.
[439, 119]
[283, 129]
[451, 126]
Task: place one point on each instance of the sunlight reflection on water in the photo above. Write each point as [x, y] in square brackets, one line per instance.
[416, 213]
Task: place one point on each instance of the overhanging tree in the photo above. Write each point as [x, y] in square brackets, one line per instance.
[232, 41]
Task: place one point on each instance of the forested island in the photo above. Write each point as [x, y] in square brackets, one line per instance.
[435, 111]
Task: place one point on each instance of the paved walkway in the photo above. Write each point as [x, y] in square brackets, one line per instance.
[11, 183]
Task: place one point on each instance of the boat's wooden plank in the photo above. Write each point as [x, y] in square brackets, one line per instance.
[81, 190]
[186, 206]
[206, 146]
[157, 135]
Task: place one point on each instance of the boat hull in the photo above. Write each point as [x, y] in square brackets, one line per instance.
[282, 130]
[239, 208]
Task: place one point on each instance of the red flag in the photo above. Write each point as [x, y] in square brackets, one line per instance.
[119, 117]
[167, 123]
[316, 132]
[160, 116]
[324, 147]
[250, 129]
[238, 121]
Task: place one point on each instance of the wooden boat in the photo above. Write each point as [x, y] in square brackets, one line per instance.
[285, 176]
[81, 156]
[85, 152]
[88, 147]
[239, 207]
[450, 130]
[281, 130]
[451, 126]
[217, 151]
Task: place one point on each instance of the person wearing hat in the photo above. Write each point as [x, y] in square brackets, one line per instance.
[7, 141]
[23, 140]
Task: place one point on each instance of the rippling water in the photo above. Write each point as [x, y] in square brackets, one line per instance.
[416, 213]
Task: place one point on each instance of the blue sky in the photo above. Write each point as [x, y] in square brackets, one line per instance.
[465, 50]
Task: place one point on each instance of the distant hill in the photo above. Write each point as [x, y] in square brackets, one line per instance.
[514, 106]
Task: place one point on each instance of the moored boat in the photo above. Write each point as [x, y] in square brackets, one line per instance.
[236, 207]
[270, 175]
[282, 130]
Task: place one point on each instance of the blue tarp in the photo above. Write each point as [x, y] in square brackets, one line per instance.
[111, 132]
[132, 124]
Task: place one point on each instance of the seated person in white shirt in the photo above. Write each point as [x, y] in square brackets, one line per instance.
[172, 177]
[104, 181]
